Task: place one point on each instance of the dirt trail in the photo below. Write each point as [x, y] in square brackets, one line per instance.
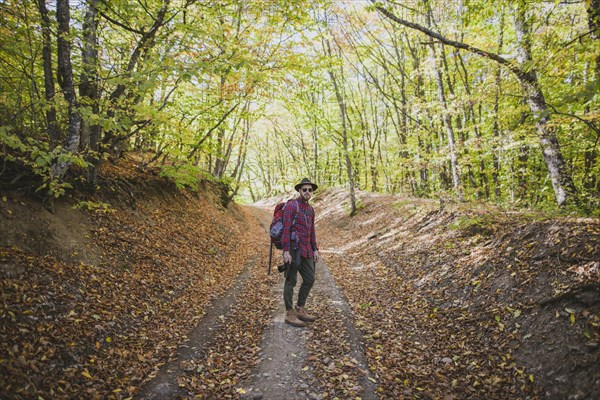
[164, 384]
[284, 365]
[282, 357]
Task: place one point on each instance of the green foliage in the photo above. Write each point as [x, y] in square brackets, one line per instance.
[37, 157]
[184, 176]
[474, 224]
[397, 140]
[97, 207]
[240, 91]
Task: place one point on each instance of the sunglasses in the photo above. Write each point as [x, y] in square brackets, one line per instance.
[309, 190]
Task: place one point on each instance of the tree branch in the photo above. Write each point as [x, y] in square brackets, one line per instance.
[522, 75]
[120, 24]
[590, 124]
[211, 130]
[145, 42]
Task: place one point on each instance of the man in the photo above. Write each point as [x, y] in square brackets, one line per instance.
[300, 252]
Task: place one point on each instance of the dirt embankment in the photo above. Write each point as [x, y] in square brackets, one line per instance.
[92, 302]
[466, 302]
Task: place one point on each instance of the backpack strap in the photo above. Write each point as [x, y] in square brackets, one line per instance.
[295, 216]
[295, 220]
[294, 225]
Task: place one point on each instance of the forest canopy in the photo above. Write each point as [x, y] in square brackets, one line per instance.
[465, 99]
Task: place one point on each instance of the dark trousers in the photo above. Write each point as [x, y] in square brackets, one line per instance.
[307, 271]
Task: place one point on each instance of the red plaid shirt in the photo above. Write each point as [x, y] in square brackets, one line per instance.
[305, 227]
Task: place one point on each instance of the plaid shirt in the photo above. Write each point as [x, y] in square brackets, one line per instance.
[305, 227]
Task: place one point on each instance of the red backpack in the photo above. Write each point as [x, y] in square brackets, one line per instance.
[276, 228]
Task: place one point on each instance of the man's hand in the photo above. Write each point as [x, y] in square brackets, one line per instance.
[316, 256]
[287, 258]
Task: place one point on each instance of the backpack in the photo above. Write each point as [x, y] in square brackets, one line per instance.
[276, 228]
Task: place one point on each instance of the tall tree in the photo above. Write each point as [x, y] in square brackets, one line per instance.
[67, 84]
[447, 119]
[88, 89]
[564, 189]
[496, 111]
[593, 11]
[337, 81]
[51, 123]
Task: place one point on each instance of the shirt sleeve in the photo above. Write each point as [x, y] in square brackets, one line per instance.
[313, 236]
[287, 226]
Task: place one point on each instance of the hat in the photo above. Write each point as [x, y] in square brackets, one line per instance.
[303, 182]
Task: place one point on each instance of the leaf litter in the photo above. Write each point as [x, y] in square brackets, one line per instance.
[449, 303]
[460, 303]
[98, 331]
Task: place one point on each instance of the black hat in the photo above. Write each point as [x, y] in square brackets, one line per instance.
[303, 182]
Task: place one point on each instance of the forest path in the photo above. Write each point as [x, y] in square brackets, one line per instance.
[446, 303]
[288, 357]
[166, 384]
[408, 308]
[287, 362]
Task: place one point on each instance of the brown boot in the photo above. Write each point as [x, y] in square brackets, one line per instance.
[304, 316]
[292, 319]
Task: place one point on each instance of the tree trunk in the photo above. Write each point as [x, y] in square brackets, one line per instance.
[145, 43]
[425, 172]
[345, 148]
[481, 185]
[218, 167]
[593, 12]
[88, 89]
[564, 188]
[447, 119]
[315, 137]
[51, 126]
[344, 134]
[65, 75]
[496, 118]
[236, 175]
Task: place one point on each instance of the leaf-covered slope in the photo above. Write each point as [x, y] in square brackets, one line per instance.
[468, 303]
[94, 327]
